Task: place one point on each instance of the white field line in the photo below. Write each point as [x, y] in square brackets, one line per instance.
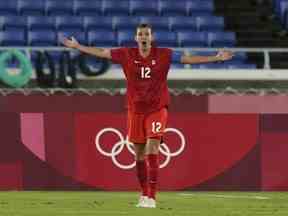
[96, 211]
[111, 212]
[225, 196]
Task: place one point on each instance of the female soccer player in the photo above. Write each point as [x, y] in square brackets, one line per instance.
[146, 68]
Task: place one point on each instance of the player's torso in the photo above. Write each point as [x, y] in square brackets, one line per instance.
[144, 72]
[147, 89]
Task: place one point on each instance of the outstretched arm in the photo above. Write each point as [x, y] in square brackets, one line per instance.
[98, 52]
[221, 56]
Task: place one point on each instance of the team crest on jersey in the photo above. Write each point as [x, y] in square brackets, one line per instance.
[153, 62]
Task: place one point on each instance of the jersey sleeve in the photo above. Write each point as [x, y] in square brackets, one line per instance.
[176, 56]
[118, 55]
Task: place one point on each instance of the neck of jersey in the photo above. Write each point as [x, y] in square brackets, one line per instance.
[145, 51]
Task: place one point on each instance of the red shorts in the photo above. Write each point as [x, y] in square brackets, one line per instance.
[144, 126]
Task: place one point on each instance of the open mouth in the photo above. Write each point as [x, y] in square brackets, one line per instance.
[144, 43]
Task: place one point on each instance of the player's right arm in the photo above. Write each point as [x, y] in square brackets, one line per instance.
[98, 52]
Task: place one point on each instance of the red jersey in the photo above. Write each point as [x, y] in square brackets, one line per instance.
[147, 89]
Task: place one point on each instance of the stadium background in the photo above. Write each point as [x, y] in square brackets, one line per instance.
[41, 143]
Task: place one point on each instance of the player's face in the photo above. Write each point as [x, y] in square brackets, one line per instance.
[144, 37]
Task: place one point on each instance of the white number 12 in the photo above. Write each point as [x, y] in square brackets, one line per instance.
[156, 127]
[145, 72]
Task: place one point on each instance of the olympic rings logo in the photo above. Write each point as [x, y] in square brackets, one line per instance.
[124, 142]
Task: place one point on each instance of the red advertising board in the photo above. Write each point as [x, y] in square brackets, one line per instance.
[79, 142]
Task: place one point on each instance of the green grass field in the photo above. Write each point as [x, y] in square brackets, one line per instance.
[122, 203]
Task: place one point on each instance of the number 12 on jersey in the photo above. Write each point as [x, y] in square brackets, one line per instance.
[156, 127]
[145, 72]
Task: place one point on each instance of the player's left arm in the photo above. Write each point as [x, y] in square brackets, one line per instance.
[195, 59]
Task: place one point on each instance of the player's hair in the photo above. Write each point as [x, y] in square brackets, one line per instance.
[143, 25]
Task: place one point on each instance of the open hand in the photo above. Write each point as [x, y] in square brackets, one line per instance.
[224, 55]
[71, 43]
